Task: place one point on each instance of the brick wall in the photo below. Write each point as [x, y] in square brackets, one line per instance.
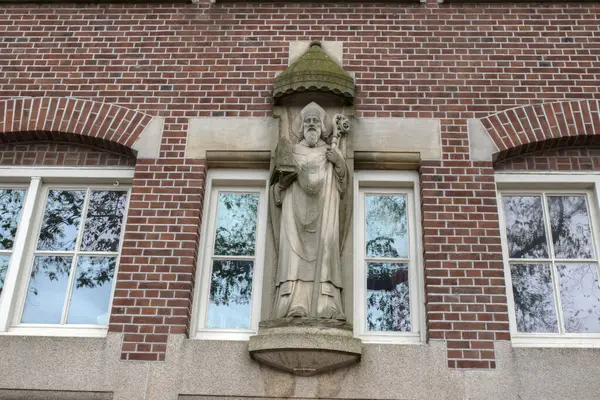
[60, 154]
[452, 62]
[466, 299]
[565, 159]
[153, 295]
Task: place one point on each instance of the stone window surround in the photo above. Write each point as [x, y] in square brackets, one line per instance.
[380, 143]
[34, 179]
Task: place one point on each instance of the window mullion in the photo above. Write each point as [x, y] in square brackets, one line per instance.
[8, 299]
[553, 269]
[73, 270]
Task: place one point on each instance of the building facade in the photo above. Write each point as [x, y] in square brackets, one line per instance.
[137, 138]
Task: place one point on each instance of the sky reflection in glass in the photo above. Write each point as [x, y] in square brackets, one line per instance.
[47, 290]
[92, 288]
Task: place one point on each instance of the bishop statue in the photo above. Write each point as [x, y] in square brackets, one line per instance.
[308, 198]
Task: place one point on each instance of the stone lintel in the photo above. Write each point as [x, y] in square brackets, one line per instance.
[230, 134]
[388, 160]
[238, 159]
[24, 394]
[405, 135]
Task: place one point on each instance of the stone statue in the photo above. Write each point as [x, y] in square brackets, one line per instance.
[307, 193]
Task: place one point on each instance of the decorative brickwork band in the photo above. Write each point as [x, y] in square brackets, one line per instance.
[542, 126]
[102, 125]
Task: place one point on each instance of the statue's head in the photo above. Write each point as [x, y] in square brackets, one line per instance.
[313, 123]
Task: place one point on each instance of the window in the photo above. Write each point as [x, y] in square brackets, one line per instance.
[232, 254]
[549, 230]
[60, 242]
[388, 276]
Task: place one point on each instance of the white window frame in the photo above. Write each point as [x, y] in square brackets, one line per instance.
[229, 180]
[36, 180]
[401, 182]
[538, 183]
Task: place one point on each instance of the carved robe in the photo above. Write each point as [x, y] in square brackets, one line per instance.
[309, 237]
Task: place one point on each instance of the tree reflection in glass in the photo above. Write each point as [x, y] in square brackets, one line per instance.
[231, 279]
[230, 294]
[386, 230]
[236, 224]
[61, 220]
[388, 307]
[91, 274]
[11, 203]
[570, 224]
[104, 220]
[534, 298]
[4, 259]
[525, 232]
[579, 297]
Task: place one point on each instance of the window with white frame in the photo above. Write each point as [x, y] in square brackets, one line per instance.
[61, 237]
[232, 254]
[388, 298]
[550, 244]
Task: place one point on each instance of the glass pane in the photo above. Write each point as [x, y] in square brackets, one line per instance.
[4, 259]
[236, 224]
[104, 221]
[61, 220]
[580, 297]
[387, 234]
[388, 307]
[230, 294]
[525, 232]
[534, 298]
[570, 223]
[47, 290]
[11, 202]
[91, 291]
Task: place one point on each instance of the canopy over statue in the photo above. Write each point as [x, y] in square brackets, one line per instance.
[308, 192]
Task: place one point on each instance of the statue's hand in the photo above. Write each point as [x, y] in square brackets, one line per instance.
[334, 156]
[287, 179]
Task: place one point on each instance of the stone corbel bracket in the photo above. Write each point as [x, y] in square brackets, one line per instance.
[305, 346]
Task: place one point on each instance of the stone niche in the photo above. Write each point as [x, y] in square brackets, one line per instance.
[308, 329]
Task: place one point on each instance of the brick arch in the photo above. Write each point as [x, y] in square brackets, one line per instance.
[69, 119]
[542, 126]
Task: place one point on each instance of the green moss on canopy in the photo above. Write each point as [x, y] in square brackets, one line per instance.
[314, 71]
